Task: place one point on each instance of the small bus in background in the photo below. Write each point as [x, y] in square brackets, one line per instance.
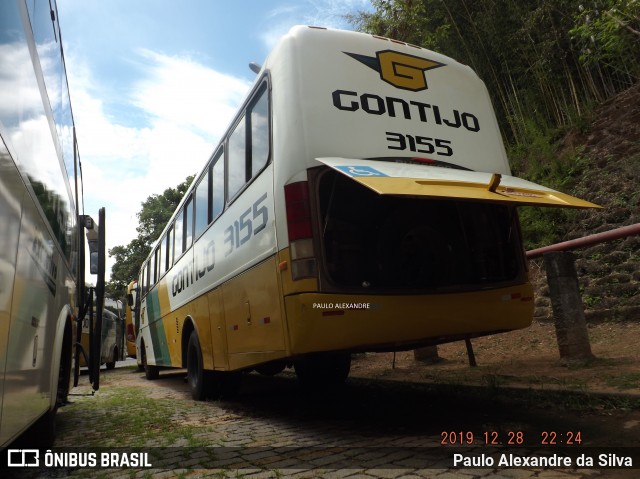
[361, 200]
[112, 341]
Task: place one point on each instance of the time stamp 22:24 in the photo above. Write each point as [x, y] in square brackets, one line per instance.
[511, 438]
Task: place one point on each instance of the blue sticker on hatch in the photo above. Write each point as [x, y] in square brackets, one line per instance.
[360, 171]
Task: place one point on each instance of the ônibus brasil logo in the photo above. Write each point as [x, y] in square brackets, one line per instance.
[399, 69]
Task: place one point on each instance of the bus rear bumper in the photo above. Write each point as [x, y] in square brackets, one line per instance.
[325, 322]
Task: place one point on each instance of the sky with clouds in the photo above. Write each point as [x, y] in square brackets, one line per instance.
[155, 83]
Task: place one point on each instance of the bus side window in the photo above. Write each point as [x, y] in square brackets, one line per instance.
[217, 185]
[202, 205]
[188, 224]
[143, 281]
[237, 159]
[259, 119]
[147, 271]
[169, 249]
[157, 255]
[152, 268]
[178, 236]
[162, 264]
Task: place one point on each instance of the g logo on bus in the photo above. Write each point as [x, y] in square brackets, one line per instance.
[399, 69]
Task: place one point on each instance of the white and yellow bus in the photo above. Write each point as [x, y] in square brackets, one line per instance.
[361, 200]
[42, 264]
[112, 339]
[131, 328]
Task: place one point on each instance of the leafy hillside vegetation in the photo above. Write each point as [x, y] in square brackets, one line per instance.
[564, 79]
[600, 163]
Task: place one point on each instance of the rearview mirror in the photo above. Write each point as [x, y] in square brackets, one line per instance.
[93, 262]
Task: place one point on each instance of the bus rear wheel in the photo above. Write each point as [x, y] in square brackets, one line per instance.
[208, 384]
[150, 372]
[325, 369]
[196, 377]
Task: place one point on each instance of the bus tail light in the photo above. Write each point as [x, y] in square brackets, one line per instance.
[303, 262]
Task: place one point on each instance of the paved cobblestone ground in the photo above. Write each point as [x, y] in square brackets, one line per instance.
[368, 429]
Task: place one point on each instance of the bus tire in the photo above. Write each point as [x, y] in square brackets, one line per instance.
[323, 370]
[198, 381]
[65, 372]
[150, 372]
[112, 364]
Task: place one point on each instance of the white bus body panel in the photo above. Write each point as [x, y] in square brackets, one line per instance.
[321, 94]
[225, 250]
[243, 237]
[36, 301]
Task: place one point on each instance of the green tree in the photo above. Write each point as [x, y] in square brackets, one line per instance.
[545, 62]
[605, 32]
[155, 213]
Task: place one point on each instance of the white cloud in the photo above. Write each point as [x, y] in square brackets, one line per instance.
[321, 13]
[187, 93]
[16, 76]
[187, 108]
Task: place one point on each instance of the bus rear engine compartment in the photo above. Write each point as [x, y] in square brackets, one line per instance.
[382, 243]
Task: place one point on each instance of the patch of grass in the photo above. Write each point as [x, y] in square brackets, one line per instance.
[126, 415]
[628, 380]
[590, 301]
[493, 381]
[450, 377]
[578, 364]
[573, 401]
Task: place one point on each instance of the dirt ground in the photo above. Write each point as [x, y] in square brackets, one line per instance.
[525, 358]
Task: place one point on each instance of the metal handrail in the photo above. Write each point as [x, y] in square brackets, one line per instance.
[590, 240]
